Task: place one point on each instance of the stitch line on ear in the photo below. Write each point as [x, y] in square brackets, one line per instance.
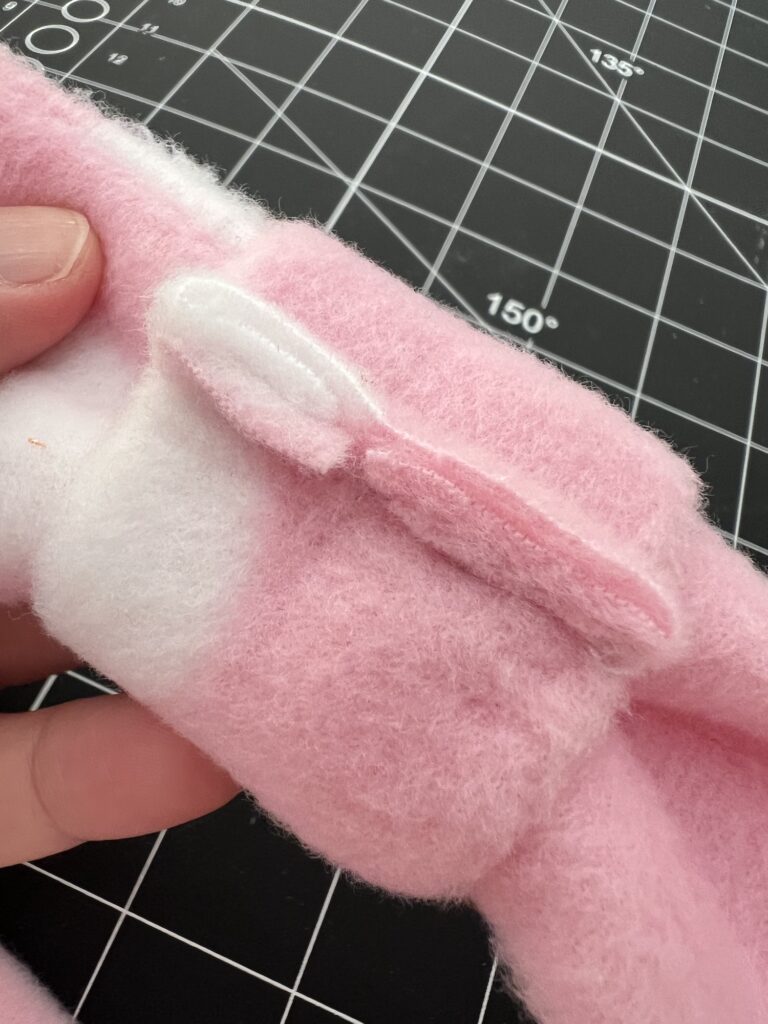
[268, 319]
[631, 608]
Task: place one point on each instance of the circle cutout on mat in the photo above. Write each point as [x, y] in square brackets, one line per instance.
[71, 34]
[102, 7]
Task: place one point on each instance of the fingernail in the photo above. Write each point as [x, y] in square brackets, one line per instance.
[39, 243]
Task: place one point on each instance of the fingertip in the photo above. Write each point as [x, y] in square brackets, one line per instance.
[108, 768]
[51, 264]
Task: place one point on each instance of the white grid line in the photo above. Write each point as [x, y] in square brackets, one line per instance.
[311, 943]
[610, 43]
[43, 692]
[575, 217]
[493, 149]
[477, 318]
[336, 172]
[188, 942]
[594, 70]
[15, 17]
[406, 101]
[683, 129]
[205, 54]
[565, 200]
[672, 24]
[743, 14]
[699, 35]
[276, 116]
[91, 682]
[545, 67]
[331, 168]
[679, 225]
[487, 994]
[119, 923]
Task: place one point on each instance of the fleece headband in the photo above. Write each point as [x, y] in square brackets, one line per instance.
[454, 620]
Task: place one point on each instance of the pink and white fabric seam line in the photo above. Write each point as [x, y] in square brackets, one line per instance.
[454, 620]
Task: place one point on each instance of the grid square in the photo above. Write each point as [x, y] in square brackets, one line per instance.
[701, 16]
[477, 270]
[639, 200]
[267, 901]
[615, 260]
[518, 217]
[732, 179]
[76, 926]
[273, 44]
[605, 19]
[744, 78]
[153, 978]
[288, 186]
[455, 118]
[673, 98]
[626, 140]
[716, 458]
[756, 7]
[486, 70]
[571, 108]
[543, 157]
[362, 79]
[380, 961]
[700, 378]
[677, 50]
[362, 227]
[343, 135]
[216, 93]
[508, 25]
[162, 63]
[597, 332]
[435, 180]
[392, 30]
[731, 248]
[750, 35]
[719, 306]
[740, 127]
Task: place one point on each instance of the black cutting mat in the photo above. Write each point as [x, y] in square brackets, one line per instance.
[588, 176]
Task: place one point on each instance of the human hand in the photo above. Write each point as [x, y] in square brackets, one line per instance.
[101, 768]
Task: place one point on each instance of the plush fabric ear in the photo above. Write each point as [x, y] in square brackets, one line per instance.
[277, 384]
[271, 380]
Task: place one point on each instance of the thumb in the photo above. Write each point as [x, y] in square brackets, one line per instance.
[50, 268]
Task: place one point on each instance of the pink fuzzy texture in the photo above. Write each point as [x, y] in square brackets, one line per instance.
[23, 1000]
[485, 648]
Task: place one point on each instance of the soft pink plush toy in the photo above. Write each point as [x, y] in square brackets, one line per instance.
[454, 620]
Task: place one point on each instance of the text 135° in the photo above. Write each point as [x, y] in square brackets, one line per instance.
[625, 68]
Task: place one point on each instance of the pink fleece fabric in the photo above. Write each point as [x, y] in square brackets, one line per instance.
[24, 1000]
[491, 652]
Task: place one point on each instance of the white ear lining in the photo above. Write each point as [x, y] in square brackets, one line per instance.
[239, 338]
